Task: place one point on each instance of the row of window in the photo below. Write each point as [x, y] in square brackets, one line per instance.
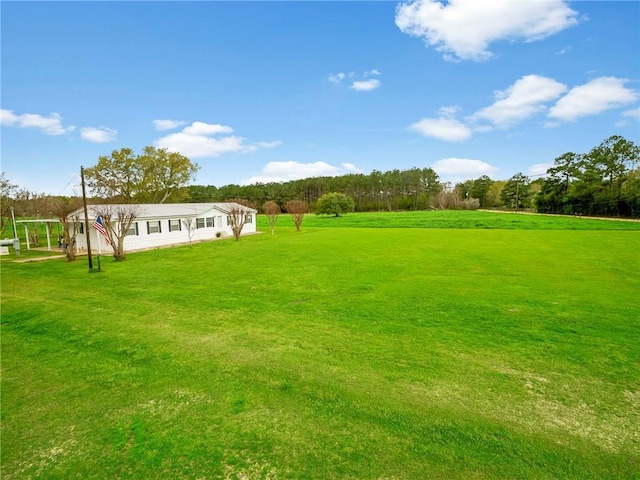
[175, 225]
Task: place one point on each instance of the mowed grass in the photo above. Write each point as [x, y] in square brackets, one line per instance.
[461, 219]
[364, 353]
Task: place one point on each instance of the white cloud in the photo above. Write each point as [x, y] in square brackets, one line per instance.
[337, 78]
[291, 170]
[206, 140]
[201, 128]
[443, 128]
[98, 135]
[464, 29]
[633, 113]
[528, 96]
[539, 169]
[521, 100]
[365, 85]
[360, 82]
[8, 118]
[351, 168]
[594, 97]
[273, 144]
[51, 125]
[562, 51]
[463, 167]
[200, 146]
[167, 124]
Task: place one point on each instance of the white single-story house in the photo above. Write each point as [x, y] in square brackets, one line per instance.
[164, 224]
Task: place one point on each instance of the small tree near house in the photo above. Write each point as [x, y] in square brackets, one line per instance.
[117, 220]
[63, 209]
[272, 210]
[237, 217]
[297, 209]
[190, 227]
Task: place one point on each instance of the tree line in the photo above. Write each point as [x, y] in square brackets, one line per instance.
[604, 181]
[412, 189]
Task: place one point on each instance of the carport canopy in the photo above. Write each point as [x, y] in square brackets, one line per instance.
[47, 222]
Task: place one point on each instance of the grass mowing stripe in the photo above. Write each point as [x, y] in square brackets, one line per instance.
[329, 353]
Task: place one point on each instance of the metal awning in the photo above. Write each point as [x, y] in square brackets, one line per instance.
[46, 222]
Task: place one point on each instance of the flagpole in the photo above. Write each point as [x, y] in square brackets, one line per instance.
[99, 243]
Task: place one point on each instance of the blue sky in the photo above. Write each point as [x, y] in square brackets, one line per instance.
[273, 91]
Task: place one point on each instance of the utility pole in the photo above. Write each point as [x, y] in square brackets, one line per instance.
[86, 219]
[517, 191]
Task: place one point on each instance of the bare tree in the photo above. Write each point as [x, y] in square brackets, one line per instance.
[297, 209]
[272, 210]
[63, 209]
[190, 226]
[238, 212]
[7, 192]
[237, 216]
[35, 205]
[117, 219]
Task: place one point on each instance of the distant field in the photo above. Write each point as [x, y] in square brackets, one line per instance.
[460, 219]
[332, 353]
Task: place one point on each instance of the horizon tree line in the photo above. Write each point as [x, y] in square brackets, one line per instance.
[604, 181]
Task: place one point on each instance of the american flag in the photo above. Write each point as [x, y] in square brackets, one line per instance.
[99, 226]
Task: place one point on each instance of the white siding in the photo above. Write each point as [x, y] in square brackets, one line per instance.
[150, 237]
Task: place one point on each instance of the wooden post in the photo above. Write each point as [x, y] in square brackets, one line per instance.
[86, 219]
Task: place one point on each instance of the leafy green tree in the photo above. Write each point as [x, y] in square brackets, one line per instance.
[464, 189]
[613, 158]
[164, 173]
[148, 178]
[411, 189]
[200, 193]
[335, 204]
[516, 192]
[480, 189]
[631, 191]
[566, 168]
[118, 176]
[492, 199]
[552, 197]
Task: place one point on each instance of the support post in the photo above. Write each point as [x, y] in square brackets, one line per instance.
[47, 229]
[86, 219]
[15, 230]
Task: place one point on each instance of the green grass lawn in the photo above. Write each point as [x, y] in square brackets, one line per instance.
[459, 219]
[503, 351]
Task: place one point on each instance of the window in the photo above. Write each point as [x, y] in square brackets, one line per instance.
[174, 225]
[228, 219]
[133, 229]
[248, 218]
[199, 222]
[154, 227]
[81, 227]
[209, 221]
